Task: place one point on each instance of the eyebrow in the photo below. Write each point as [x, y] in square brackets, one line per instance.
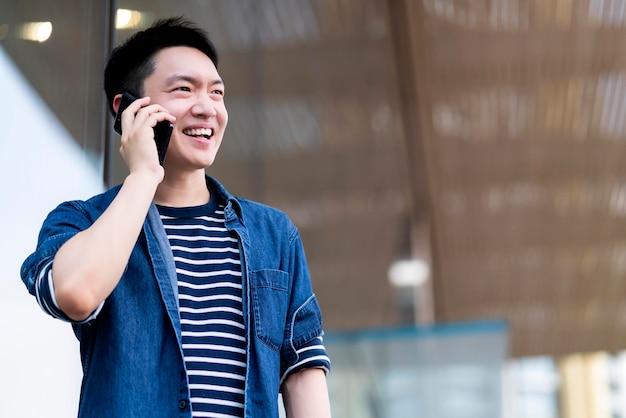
[190, 79]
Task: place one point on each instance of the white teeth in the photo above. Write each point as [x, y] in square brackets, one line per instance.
[206, 132]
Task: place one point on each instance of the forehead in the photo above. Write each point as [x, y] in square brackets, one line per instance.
[183, 60]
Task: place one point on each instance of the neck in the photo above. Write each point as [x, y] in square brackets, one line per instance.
[183, 190]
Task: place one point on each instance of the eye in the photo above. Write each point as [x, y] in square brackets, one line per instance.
[218, 92]
[182, 88]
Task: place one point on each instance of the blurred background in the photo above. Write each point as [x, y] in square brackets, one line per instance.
[454, 167]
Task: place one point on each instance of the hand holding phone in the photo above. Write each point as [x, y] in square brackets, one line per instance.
[162, 130]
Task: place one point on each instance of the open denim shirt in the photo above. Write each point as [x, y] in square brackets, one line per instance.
[131, 353]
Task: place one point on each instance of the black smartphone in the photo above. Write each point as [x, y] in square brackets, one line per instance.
[162, 130]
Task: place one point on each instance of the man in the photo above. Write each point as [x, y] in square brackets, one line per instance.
[186, 300]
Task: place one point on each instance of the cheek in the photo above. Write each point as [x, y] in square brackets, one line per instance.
[176, 109]
[223, 117]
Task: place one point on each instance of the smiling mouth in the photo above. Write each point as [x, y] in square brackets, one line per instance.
[199, 133]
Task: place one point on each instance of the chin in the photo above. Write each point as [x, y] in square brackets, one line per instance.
[205, 163]
[187, 164]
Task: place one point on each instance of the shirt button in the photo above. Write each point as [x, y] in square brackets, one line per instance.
[182, 404]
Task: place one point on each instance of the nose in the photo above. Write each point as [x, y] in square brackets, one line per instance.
[204, 107]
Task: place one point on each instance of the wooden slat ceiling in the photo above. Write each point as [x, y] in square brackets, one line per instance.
[522, 125]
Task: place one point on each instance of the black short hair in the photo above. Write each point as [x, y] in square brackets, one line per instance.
[132, 62]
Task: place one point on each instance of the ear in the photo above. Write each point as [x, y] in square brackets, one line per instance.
[116, 102]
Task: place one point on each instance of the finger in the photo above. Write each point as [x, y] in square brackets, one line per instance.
[151, 115]
[130, 113]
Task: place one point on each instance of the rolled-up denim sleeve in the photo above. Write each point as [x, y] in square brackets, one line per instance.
[44, 293]
[61, 224]
[303, 345]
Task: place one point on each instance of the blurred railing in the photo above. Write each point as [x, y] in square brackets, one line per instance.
[448, 370]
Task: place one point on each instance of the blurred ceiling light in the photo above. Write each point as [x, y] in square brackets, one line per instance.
[408, 273]
[127, 19]
[34, 31]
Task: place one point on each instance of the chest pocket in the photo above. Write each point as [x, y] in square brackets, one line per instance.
[270, 298]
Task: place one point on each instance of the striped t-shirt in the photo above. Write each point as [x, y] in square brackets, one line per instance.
[210, 297]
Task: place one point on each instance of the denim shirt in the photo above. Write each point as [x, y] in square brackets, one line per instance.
[132, 354]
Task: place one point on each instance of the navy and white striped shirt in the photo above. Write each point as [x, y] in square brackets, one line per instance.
[208, 266]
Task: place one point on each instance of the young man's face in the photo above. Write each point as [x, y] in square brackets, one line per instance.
[187, 84]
